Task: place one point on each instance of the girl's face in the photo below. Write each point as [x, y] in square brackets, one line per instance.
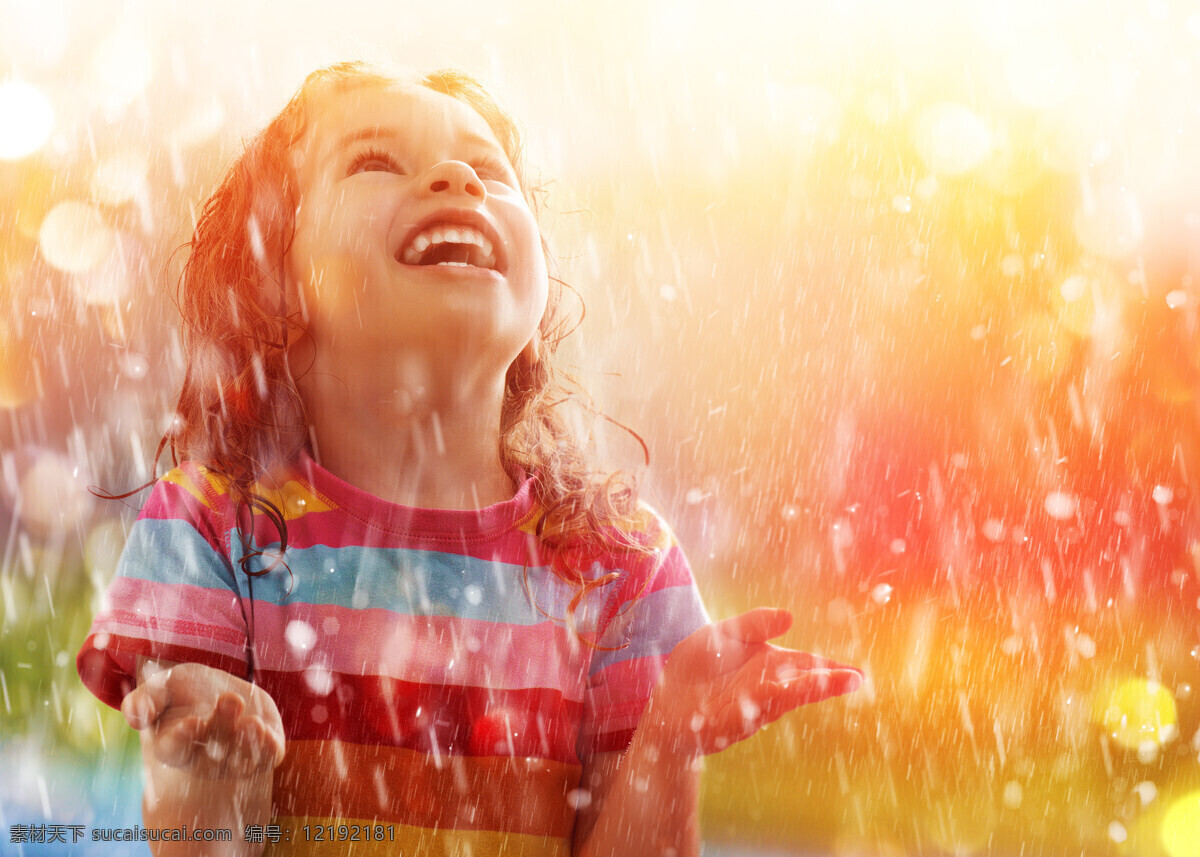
[412, 234]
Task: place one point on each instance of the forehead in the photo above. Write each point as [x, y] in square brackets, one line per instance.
[419, 115]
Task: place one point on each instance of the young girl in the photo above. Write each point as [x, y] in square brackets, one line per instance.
[385, 606]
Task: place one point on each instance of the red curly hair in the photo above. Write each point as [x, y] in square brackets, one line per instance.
[239, 411]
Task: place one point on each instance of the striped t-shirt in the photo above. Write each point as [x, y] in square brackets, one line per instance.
[434, 699]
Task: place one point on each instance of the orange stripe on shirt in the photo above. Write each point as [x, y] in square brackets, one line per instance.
[337, 779]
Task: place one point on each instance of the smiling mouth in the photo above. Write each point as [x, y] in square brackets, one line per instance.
[449, 245]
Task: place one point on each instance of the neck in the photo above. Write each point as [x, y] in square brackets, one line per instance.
[417, 444]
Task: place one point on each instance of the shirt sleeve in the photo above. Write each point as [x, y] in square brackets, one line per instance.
[175, 595]
[652, 607]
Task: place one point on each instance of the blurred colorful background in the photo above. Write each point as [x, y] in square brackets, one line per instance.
[903, 297]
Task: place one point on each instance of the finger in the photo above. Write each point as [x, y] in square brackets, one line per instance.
[175, 743]
[222, 722]
[786, 664]
[148, 701]
[145, 704]
[258, 743]
[756, 626]
[810, 687]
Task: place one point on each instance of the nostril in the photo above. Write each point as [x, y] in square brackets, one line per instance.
[439, 186]
[475, 190]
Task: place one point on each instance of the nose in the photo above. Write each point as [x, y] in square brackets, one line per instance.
[454, 178]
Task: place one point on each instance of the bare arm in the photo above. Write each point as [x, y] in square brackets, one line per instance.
[644, 801]
[210, 744]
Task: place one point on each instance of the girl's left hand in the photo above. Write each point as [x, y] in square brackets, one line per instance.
[725, 682]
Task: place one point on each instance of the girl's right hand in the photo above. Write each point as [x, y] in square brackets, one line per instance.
[216, 725]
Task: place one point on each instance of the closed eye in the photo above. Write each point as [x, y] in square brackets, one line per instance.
[495, 170]
[374, 160]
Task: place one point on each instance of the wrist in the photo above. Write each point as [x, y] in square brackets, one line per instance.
[657, 739]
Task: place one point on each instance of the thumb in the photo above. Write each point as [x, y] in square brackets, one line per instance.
[145, 704]
[756, 626]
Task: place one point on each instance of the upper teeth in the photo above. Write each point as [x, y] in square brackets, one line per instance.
[426, 238]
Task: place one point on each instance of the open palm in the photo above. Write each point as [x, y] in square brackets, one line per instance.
[725, 682]
[215, 724]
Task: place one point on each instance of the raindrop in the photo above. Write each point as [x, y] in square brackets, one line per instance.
[1085, 646]
[319, 680]
[134, 366]
[1073, 288]
[993, 530]
[1013, 794]
[1162, 495]
[1060, 506]
[882, 593]
[300, 635]
[1146, 792]
[1176, 298]
[579, 798]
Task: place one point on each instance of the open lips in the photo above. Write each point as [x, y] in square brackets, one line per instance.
[449, 242]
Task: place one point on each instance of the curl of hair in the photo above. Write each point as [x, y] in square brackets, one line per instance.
[240, 412]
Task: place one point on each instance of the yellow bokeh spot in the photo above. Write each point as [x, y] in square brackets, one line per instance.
[1180, 831]
[1136, 711]
[26, 118]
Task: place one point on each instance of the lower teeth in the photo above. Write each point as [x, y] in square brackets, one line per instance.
[455, 264]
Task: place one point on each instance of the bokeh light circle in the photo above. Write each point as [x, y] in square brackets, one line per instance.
[1136, 711]
[120, 178]
[951, 139]
[74, 237]
[54, 494]
[26, 119]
